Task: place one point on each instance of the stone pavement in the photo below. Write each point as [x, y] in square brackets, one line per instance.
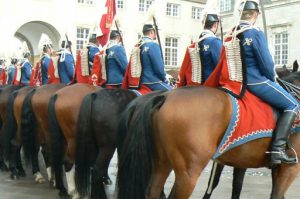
[257, 185]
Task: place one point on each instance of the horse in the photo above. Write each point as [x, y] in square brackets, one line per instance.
[96, 138]
[63, 111]
[12, 136]
[4, 95]
[34, 124]
[238, 173]
[162, 137]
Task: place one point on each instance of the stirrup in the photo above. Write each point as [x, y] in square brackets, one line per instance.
[282, 154]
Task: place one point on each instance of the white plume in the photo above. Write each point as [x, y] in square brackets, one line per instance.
[150, 14]
[44, 40]
[117, 20]
[211, 7]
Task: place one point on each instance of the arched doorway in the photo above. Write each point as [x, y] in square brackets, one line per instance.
[31, 32]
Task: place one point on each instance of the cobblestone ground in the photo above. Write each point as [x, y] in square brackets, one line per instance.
[257, 185]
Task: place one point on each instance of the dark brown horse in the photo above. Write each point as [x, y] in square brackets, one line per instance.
[12, 136]
[5, 91]
[63, 114]
[96, 138]
[163, 137]
[34, 124]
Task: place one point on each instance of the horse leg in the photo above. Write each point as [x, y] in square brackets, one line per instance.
[19, 164]
[100, 172]
[161, 171]
[285, 176]
[70, 176]
[46, 156]
[15, 164]
[213, 179]
[237, 183]
[3, 166]
[38, 178]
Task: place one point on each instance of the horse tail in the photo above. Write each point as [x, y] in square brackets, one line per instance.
[84, 141]
[135, 159]
[57, 140]
[10, 126]
[28, 124]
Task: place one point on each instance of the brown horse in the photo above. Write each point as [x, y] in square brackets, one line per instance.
[63, 114]
[34, 124]
[238, 173]
[163, 137]
[5, 91]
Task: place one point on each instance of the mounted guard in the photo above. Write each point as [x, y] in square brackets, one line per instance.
[110, 64]
[255, 71]
[202, 56]
[23, 71]
[85, 59]
[65, 66]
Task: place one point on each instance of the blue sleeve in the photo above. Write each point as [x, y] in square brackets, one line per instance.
[69, 61]
[264, 58]
[27, 70]
[92, 53]
[216, 47]
[157, 62]
[121, 59]
[47, 62]
[11, 73]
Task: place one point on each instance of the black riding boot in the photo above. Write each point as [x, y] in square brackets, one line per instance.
[280, 137]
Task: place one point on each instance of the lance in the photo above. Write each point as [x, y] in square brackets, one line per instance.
[264, 18]
[158, 37]
[68, 44]
[118, 29]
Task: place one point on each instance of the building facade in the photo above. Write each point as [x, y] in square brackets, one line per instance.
[179, 22]
[26, 20]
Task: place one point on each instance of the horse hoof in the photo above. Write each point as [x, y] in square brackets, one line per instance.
[38, 178]
[52, 184]
[3, 167]
[21, 173]
[107, 181]
[14, 176]
[64, 195]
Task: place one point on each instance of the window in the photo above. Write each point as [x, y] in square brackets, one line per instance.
[82, 37]
[144, 5]
[172, 9]
[196, 13]
[225, 5]
[88, 2]
[171, 51]
[281, 48]
[120, 4]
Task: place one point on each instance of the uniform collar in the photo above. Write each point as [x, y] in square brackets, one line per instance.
[244, 24]
[147, 39]
[92, 45]
[208, 33]
[112, 43]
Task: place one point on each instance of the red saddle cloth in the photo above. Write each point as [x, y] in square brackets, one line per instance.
[36, 76]
[251, 117]
[130, 82]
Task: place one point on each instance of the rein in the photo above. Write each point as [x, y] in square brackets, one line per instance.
[289, 87]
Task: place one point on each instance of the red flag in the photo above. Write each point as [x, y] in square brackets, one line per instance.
[106, 21]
